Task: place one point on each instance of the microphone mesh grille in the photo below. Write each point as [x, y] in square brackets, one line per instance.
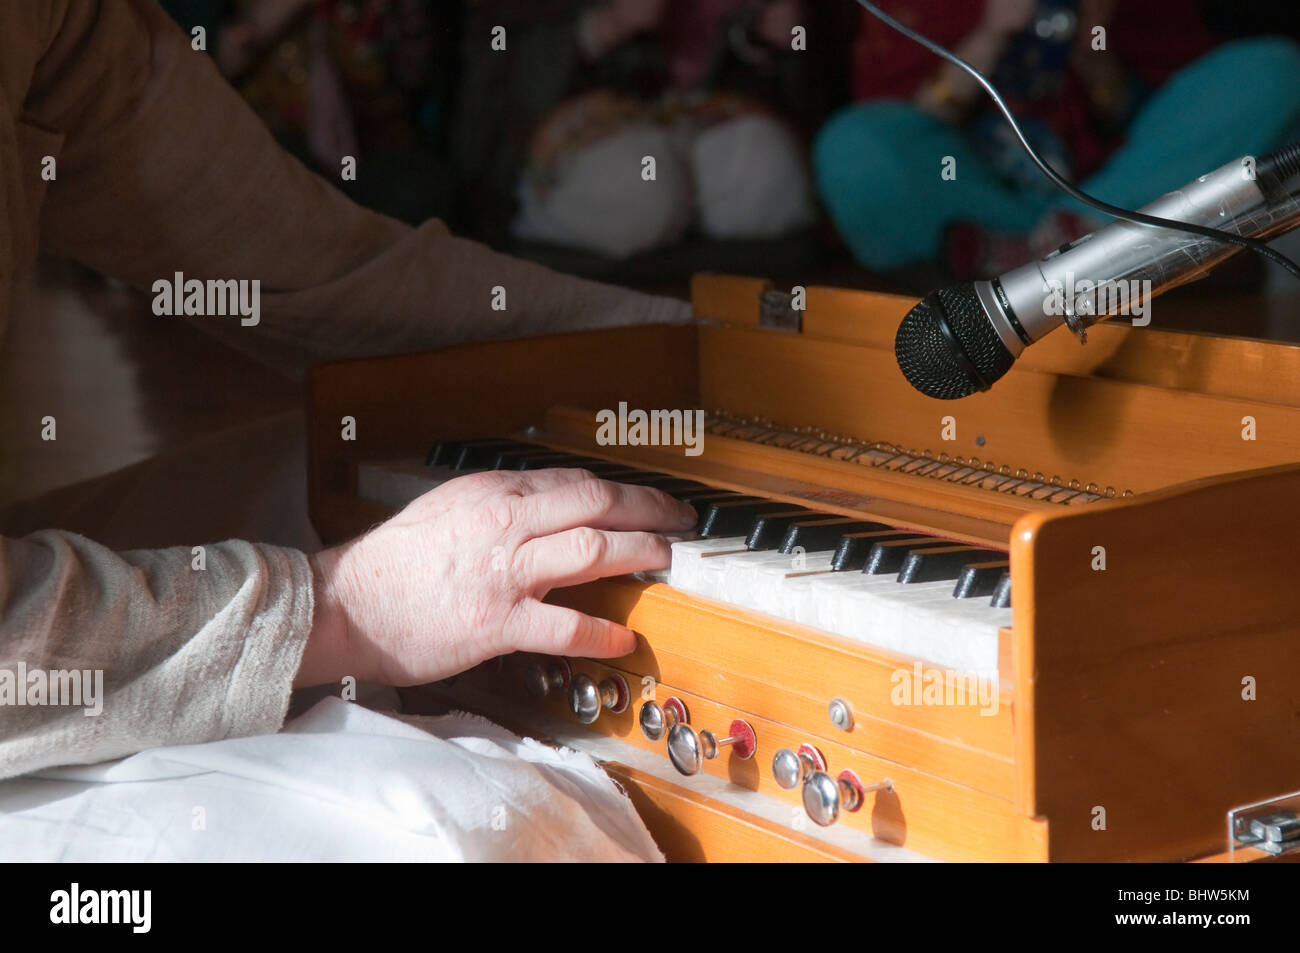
[927, 357]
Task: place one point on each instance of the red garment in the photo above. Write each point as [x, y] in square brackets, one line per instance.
[887, 65]
[1150, 40]
[1153, 39]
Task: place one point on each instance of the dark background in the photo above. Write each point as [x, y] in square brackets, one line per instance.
[459, 130]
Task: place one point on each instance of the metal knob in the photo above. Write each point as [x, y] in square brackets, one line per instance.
[841, 713]
[587, 699]
[789, 768]
[542, 678]
[824, 796]
[656, 721]
[687, 750]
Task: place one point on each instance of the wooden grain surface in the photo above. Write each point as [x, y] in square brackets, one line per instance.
[1125, 685]
[1131, 681]
[925, 812]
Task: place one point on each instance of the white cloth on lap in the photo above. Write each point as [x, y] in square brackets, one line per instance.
[339, 783]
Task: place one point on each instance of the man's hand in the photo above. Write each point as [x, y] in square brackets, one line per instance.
[458, 576]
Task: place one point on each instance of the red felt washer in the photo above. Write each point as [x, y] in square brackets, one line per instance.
[849, 776]
[812, 753]
[564, 665]
[746, 743]
[678, 708]
[624, 696]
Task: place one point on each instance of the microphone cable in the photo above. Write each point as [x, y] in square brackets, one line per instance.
[1287, 158]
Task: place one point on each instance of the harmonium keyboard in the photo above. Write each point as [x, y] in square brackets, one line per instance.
[1059, 620]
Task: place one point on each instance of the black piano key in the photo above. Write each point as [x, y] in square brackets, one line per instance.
[703, 499]
[514, 458]
[852, 550]
[548, 461]
[979, 579]
[646, 478]
[711, 493]
[940, 562]
[679, 489]
[819, 534]
[446, 453]
[636, 477]
[888, 554]
[734, 517]
[438, 453]
[480, 455]
[768, 529]
[572, 461]
[1002, 591]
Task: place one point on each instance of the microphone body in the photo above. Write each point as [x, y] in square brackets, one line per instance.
[960, 340]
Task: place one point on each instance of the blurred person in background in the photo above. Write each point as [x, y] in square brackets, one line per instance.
[333, 78]
[587, 90]
[1129, 100]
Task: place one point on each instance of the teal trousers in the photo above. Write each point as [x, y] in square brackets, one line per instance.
[878, 164]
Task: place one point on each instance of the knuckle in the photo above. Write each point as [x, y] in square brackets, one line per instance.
[476, 482]
[589, 546]
[501, 512]
[599, 497]
[569, 629]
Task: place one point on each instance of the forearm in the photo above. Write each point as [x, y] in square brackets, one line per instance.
[430, 290]
[185, 653]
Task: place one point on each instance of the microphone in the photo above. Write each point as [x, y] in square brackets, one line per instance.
[962, 339]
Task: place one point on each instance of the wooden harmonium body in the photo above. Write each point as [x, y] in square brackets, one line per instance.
[1055, 621]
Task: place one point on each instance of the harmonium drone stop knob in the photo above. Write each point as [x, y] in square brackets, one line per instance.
[824, 797]
[541, 678]
[588, 699]
[688, 750]
[792, 768]
[656, 720]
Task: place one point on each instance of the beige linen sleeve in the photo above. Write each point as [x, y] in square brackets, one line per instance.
[160, 652]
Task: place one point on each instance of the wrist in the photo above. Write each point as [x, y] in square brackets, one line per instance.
[329, 654]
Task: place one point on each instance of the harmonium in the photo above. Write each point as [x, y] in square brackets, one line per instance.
[1058, 620]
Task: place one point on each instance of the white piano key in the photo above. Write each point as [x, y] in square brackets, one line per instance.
[795, 601]
[722, 575]
[835, 611]
[771, 587]
[923, 620]
[664, 575]
[689, 558]
[732, 576]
